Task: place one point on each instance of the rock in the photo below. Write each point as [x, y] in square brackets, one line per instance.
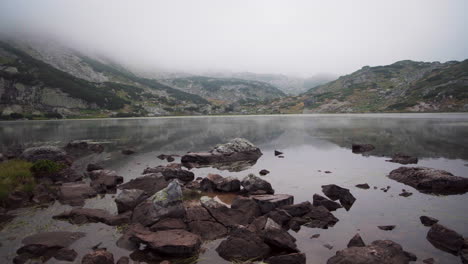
[125, 240]
[238, 149]
[43, 193]
[430, 180]
[150, 183]
[46, 153]
[124, 260]
[17, 199]
[99, 256]
[170, 242]
[328, 246]
[268, 202]
[248, 206]
[264, 172]
[405, 194]
[170, 173]
[360, 148]
[200, 222]
[380, 251]
[128, 151]
[89, 215]
[228, 217]
[464, 256]
[327, 172]
[93, 167]
[66, 254]
[228, 184]
[320, 217]
[277, 237]
[336, 192]
[363, 186]
[256, 185]
[294, 258]
[75, 193]
[81, 147]
[65, 175]
[429, 261]
[129, 199]
[296, 222]
[243, 245]
[208, 184]
[170, 159]
[277, 153]
[387, 227]
[104, 181]
[403, 159]
[445, 239]
[47, 243]
[319, 200]
[163, 204]
[168, 223]
[315, 236]
[297, 210]
[280, 216]
[356, 241]
[281, 157]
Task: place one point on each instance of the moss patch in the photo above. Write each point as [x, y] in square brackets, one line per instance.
[15, 175]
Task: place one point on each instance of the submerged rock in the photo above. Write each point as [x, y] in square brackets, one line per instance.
[243, 245]
[336, 192]
[330, 205]
[360, 148]
[380, 251]
[430, 180]
[356, 241]
[364, 186]
[237, 149]
[387, 227]
[255, 185]
[90, 215]
[403, 159]
[427, 220]
[445, 239]
[99, 256]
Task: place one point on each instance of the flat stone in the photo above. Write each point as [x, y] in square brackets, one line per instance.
[169, 223]
[150, 183]
[229, 217]
[90, 215]
[269, 202]
[75, 193]
[171, 242]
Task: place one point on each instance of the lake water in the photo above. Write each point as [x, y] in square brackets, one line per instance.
[311, 144]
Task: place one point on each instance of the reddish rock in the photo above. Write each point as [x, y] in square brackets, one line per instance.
[99, 256]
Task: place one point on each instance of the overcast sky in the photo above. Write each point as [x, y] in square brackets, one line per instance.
[268, 36]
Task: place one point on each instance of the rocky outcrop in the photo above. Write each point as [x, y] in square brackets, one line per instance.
[237, 149]
[430, 180]
[336, 192]
[403, 159]
[255, 185]
[380, 251]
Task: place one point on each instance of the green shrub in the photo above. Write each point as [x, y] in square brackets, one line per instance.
[15, 175]
[42, 167]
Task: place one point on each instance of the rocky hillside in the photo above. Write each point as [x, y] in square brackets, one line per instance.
[226, 90]
[405, 86]
[36, 83]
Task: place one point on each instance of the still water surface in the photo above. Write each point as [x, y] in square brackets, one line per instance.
[312, 144]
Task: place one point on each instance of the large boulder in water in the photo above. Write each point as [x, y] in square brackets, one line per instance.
[430, 180]
[237, 149]
[445, 239]
[163, 204]
[380, 251]
[255, 185]
[243, 245]
[336, 192]
[46, 153]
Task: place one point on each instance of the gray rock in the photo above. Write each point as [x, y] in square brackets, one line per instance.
[46, 153]
[129, 199]
[150, 183]
[330, 205]
[380, 251]
[360, 148]
[427, 220]
[269, 202]
[430, 180]
[294, 258]
[170, 242]
[200, 222]
[243, 245]
[90, 215]
[336, 192]
[170, 173]
[255, 185]
[356, 241]
[99, 256]
[445, 239]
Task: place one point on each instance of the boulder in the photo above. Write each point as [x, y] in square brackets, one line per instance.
[75, 193]
[403, 159]
[200, 222]
[269, 202]
[356, 241]
[99, 256]
[228, 217]
[361, 148]
[364, 186]
[264, 172]
[93, 167]
[380, 251]
[163, 204]
[174, 242]
[255, 185]
[330, 205]
[336, 192]
[46, 153]
[82, 147]
[170, 173]
[297, 210]
[66, 254]
[294, 258]
[129, 199]
[89, 215]
[445, 239]
[430, 180]
[150, 183]
[104, 181]
[276, 237]
[320, 217]
[47, 244]
[243, 245]
[248, 206]
[169, 223]
[238, 149]
[427, 220]
[208, 184]
[228, 184]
